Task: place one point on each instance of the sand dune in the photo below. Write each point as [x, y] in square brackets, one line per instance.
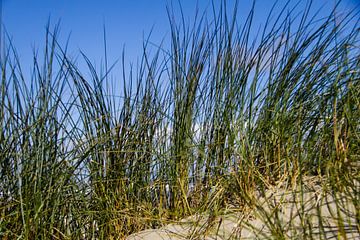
[324, 214]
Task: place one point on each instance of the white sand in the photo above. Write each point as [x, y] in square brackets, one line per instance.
[296, 217]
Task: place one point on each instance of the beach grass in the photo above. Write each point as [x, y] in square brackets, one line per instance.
[213, 122]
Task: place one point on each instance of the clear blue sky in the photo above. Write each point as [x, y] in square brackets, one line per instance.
[126, 21]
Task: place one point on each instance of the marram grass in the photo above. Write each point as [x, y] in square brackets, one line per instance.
[209, 123]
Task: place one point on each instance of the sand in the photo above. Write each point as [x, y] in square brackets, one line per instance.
[293, 215]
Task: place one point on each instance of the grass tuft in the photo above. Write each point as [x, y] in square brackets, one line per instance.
[211, 124]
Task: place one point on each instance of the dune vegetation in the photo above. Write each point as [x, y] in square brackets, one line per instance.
[207, 125]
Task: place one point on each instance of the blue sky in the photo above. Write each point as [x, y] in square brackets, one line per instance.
[126, 21]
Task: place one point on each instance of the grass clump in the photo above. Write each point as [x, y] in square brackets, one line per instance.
[216, 121]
